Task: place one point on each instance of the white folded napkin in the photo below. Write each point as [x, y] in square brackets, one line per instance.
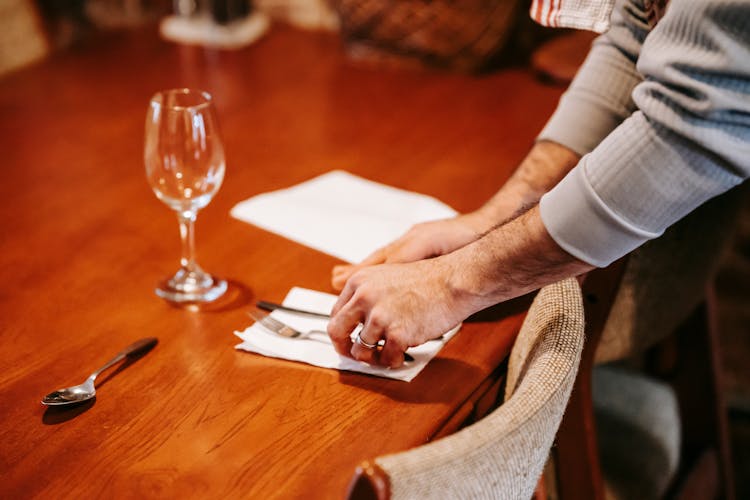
[341, 214]
[318, 350]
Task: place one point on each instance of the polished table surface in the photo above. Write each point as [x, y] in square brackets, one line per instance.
[83, 241]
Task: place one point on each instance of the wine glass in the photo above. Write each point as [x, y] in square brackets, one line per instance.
[184, 160]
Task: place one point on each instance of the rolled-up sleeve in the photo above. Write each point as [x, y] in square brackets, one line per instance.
[688, 140]
[600, 96]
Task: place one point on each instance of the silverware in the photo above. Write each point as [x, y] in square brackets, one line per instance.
[271, 306]
[284, 330]
[86, 390]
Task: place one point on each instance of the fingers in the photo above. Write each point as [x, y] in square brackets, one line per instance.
[421, 241]
[389, 353]
[379, 256]
[347, 314]
[370, 335]
[341, 274]
[363, 300]
[344, 318]
[346, 294]
[392, 354]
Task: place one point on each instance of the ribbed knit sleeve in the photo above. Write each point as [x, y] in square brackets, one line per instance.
[688, 142]
[600, 96]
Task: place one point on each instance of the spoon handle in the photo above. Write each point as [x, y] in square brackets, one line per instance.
[134, 348]
[140, 345]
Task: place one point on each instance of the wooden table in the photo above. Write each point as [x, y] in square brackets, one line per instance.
[83, 240]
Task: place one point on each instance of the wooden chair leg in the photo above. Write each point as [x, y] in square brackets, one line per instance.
[576, 454]
[690, 362]
[540, 493]
[577, 461]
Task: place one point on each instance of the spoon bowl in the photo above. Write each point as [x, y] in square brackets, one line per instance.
[68, 395]
[86, 390]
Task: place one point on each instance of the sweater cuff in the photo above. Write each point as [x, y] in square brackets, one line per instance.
[578, 221]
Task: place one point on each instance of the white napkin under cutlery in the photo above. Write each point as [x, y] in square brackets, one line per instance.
[318, 350]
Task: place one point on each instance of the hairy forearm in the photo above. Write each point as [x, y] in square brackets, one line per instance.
[507, 262]
[545, 165]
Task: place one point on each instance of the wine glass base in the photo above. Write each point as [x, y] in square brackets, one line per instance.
[206, 289]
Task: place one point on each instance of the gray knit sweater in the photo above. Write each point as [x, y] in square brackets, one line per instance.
[662, 116]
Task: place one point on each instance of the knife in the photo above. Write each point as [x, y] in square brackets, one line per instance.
[271, 306]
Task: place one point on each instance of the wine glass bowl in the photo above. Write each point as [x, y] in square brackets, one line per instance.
[184, 159]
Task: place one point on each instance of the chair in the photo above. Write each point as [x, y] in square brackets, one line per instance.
[464, 35]
[638, 431]
[501, 455]
[660, 315]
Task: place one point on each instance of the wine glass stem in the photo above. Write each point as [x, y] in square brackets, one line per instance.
[187, 235]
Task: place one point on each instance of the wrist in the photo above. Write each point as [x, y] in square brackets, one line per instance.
[545, 165]
[462, 278]
[479, 221]
[511, 260]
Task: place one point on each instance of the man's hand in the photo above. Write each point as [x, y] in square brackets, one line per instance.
[404, 304]
[542, 168]
[408, 304]
[422, 241]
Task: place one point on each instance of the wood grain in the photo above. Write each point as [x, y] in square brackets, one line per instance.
[84, 241]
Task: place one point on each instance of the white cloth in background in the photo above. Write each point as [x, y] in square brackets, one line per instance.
[341, 214]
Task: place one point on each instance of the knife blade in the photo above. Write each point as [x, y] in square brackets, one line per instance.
[272, 306]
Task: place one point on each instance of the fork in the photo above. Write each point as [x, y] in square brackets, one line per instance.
[284, 330]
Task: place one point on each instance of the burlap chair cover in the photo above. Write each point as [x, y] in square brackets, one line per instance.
[666, 278]
[502, 455]
[638, 420]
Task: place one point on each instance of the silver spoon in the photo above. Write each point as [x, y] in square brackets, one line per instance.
[86, 390]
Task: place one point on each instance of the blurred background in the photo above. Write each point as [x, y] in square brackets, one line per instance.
[469, 36]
